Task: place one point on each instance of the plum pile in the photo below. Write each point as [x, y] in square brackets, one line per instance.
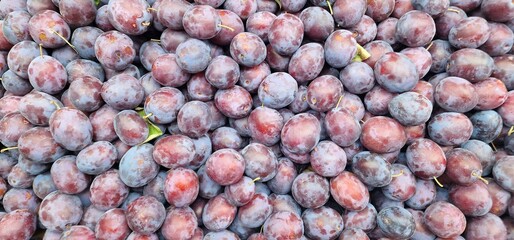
[256, 119]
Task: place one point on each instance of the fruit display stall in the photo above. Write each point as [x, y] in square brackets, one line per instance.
[256, 119]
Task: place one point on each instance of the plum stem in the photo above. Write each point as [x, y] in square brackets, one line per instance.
[256, 179]
[429, 45]
[437, 181]
[362, 121]
[330, 7]
[155, 40]
[339, 101]
[279, 4]
[41, 50]
[493, 146]
[397, 175]
[511, 130]
[475, 174]
[145, 24]
[55, 104]
[148, 115]
[314, 100]
[65, 40]
[362, 52]
[452, 10]
[308, 169]
[7, 149]
[227, 27]
[151, 9]
[357, 58]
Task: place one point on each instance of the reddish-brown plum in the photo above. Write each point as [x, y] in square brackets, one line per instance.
[322, 223]
[78, 13]
[450, 128]
[59, 210]
[234, 102]
[328, 159]
[463, 166]
[340, 48]
[307, 62]
[170, 13]
[403, 184]
[180, 223]
[225, 166]
[349, 192]
[444, 219]
[473, 200]
[472, 64]
[130, 127]
[112, 225]
[283, 180]
[145, 215]
[174, 151]
[301, 133]
[415, 29]
[286, 34]
[202, 22]
[265, 125]
[498, 11]
[348, 13]
[181, 187]
[255, 212]
[260, 162]
[248, 49]
[78, 232]
[377, 49]
[47, 27]
[274, 228]
[218, 213]
[487, 226]
[471, 32]
[108, 191]
[222, 72]
[383, 135]
[310, 190]
[389, 76]
[19, 224]
[38, 145]
[424, 196]
[67, 177]
[324, 92]
[167, 72]
[114, 50]
[380, 10]
[448, 97]
[364, 219]
[425, 159]
[226, 137]
[372, 169]
[502, 172]
[123, 92]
